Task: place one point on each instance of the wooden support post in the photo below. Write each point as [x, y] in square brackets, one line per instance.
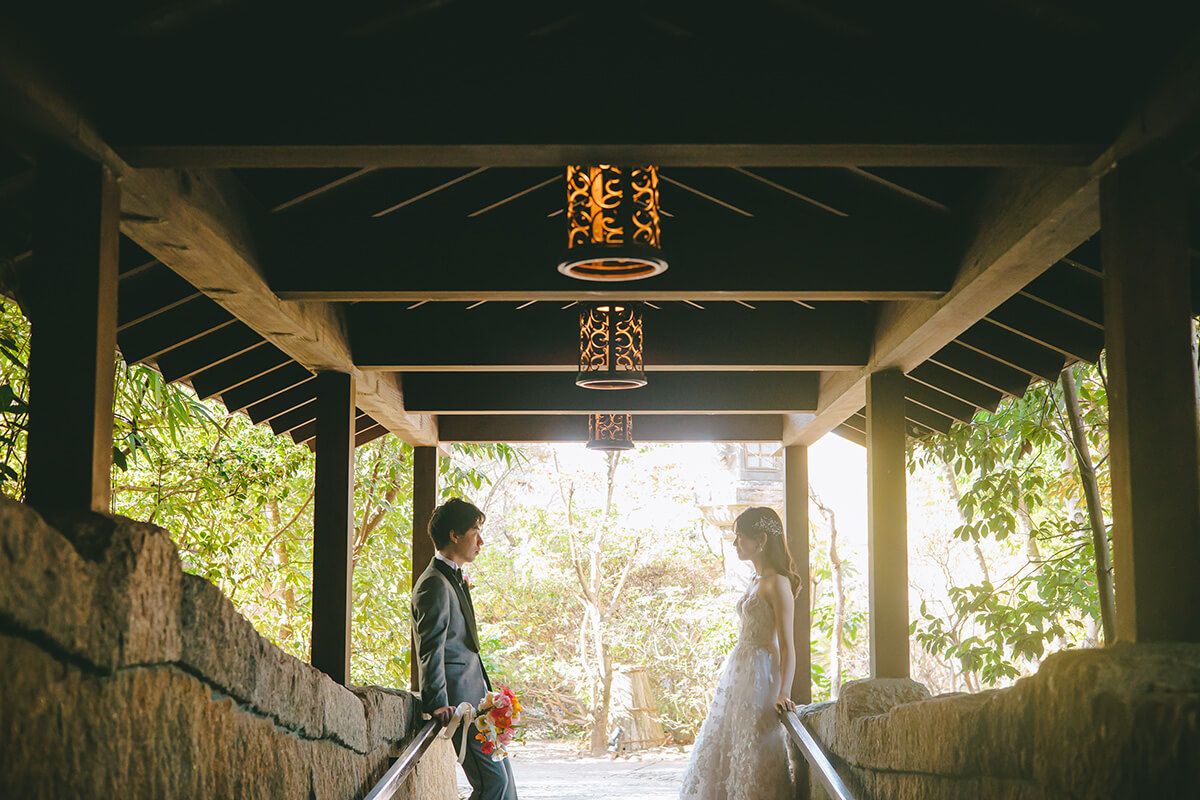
[71, 298]
[333, 525]
[795, 477]
[1153, 439]
[887, 535]
[425, 470]
[795, 468]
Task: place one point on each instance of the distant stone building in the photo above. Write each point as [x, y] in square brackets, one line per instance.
[753, 476]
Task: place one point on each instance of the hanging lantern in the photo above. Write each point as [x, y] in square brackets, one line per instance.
[612, 224]
[610, 348]
[610, 432]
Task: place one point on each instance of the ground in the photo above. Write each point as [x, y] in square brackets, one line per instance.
[559, 771]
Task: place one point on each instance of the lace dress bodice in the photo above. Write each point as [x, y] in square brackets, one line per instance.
[740, 752]
[758, 620]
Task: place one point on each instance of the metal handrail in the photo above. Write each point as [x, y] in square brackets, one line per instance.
[815, 755]
[389, 785]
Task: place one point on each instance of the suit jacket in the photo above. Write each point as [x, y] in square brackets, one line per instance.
[447, 644]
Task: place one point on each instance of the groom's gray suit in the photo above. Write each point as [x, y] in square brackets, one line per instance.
[451, 670]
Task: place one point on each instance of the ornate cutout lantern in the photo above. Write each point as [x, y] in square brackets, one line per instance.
[610, 348]
[610, 432]
[612, 224]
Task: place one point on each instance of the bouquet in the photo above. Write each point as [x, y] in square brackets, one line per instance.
[498, 716]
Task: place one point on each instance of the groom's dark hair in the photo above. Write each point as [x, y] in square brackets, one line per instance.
[453, 516]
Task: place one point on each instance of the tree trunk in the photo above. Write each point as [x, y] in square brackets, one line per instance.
[837, 650]
[286, 631]
[599, 739]
[1091, 491]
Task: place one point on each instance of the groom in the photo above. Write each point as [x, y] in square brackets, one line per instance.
[447, 644]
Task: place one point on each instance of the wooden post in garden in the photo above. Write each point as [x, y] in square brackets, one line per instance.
[333, 525]
[1153, 440]
[795, 476]
[887, 534]
[71, 298]
[425, 470]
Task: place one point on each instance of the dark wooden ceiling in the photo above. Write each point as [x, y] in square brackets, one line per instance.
[403, 161]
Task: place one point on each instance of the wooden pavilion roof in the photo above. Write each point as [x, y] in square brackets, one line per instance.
[378, 188]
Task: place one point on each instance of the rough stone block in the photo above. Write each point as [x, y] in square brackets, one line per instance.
[285, 688]
[124, 677]
[218, 643]
[1115, 723]
[107, 593]
[391, 714]
[343, 718]
[159, 732]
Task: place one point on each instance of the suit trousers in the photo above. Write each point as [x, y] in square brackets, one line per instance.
[490, 780]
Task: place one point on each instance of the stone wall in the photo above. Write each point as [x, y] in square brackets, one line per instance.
[1116, 723]
[123, 676]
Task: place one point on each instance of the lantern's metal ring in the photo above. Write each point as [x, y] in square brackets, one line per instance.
[603, 267]
[592, 380]
[609, 446]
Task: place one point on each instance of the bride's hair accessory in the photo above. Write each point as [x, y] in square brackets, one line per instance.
[769, 526]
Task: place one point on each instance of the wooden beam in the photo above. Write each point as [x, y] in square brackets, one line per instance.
[306, 433]
[217, 228]
[849, 434]
[936, 400]
[71, 297]
[981, 367]
[957, 385]
[887, 535]
[209, 350]
[714, 255]
[201, 225]
[1039, 323]
[795, 472]
[196, 318]
[516, 428]
[424, 483]
[290, 421]
[1154, 442]
[553, 392]
[145, 295]
[1012, 348]
[1027, 221]
[1070, 291]
[333, 526]
[283, 402]
[545, 337]
[817, 154]
[369, 434]
[927, 417]
[265, 386]
[239, 370]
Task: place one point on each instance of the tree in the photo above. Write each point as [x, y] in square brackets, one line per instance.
[1015, 473]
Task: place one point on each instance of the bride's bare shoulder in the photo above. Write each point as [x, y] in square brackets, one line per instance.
[775, 585]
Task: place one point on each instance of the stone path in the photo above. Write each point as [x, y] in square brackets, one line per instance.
[558, 771]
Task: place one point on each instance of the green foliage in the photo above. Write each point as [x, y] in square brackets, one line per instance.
[14, 393]
[238, 502]
[1017, 478]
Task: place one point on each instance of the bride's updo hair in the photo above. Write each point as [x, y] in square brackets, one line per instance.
[761, 522]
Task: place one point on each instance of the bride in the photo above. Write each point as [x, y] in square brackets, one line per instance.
[741, 753]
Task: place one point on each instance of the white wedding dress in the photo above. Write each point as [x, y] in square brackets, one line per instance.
[741, 752]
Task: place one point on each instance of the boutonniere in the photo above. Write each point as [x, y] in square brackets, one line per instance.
[466, 579]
